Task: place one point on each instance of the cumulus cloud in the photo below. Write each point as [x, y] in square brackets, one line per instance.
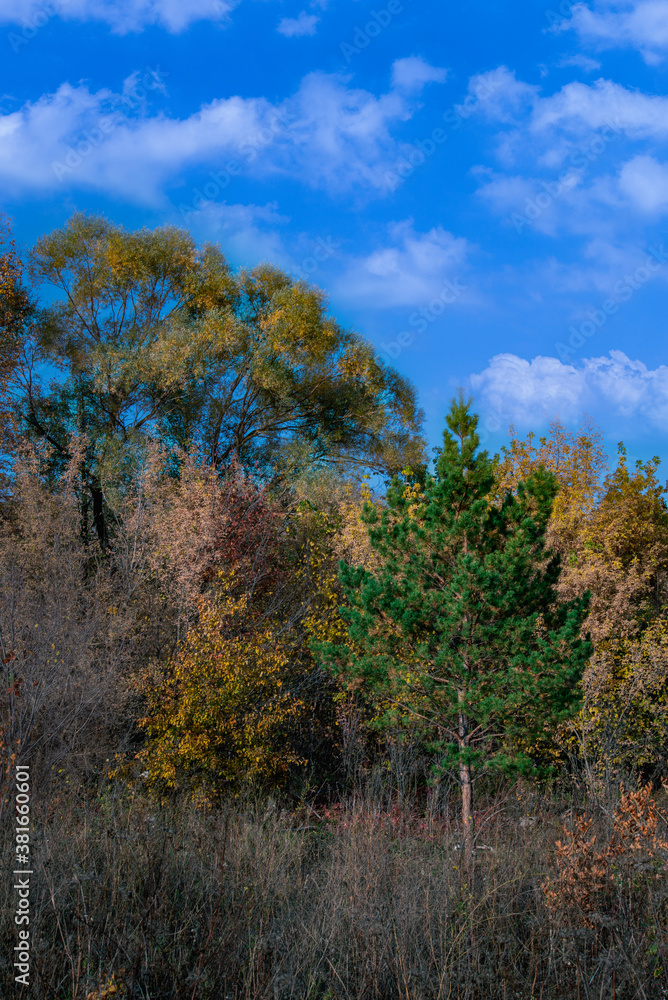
[249, 233]
[297, 27]
[570, 200]
[580, 61]
[527, 393]
[556, 159]
[524, 391]
[506, 193]
[642, 25]
[410, 270]
[412, 73]
[644, 181]
[330, 135]
[106, 142]
[499, 95]
[581, 107]
[340, 136]
[574, 112]
[122, 16]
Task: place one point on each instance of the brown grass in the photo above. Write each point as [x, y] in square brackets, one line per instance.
[133, 899]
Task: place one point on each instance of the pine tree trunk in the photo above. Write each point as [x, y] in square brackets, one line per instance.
[467, 790]
[467, 814]
[465, 773]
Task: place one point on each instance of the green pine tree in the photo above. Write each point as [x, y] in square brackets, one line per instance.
[462, 627]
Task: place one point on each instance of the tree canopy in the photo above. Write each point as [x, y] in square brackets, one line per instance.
[158, 338]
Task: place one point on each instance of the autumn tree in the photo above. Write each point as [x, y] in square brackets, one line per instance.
[623, 555]
[241, 698]
[15, 303]
[461, 626]
[224, 714]
[611, 528]
[578, 461]
[623, 728]
[15, 311]
[158, 339]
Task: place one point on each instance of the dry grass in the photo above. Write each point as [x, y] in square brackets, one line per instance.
[131, 899]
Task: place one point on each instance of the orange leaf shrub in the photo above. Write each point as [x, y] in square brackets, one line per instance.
[595, 881]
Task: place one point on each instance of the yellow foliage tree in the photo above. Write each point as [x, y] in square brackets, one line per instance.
[624, 722]
[578, 461]
[14, 303]
[610, 529]
[243, 699]
[625, 550]
[15, 309]
[224, 712]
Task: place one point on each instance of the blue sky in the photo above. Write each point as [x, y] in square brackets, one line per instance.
[482, 191]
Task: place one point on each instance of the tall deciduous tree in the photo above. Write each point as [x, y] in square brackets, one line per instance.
[578, 461]
[611, 528]
[14, 300]
[15, 310]
[461, 626]
[158, 338]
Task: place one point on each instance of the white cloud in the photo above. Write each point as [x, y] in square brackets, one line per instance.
[580, 61]
[574, 112]
[249, 233]
[644, 181]
[340, 137]
[499, 95]
[409, 271]
[98, 141]
[328, 134]
[297, 27]
[568, 200]
[122, 16]
[523, 391]
[530, 392]
[556, 160]
[506, 193]
[253, 233]
[412, 73]
[579, 107]
[642, 25]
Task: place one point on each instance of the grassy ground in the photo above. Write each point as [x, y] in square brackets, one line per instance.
[351, 902]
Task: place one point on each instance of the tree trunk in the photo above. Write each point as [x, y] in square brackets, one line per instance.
[465, 769]
[467, 815]
[467, 791]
